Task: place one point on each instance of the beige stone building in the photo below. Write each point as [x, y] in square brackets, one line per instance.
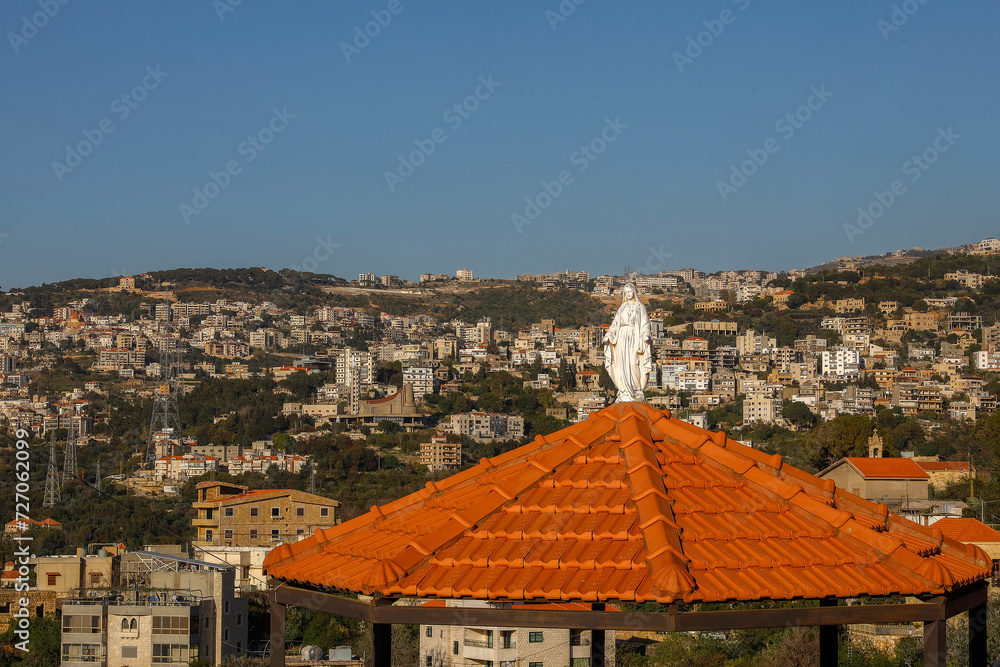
[469, 646]
[439, 454]
[231, 516]
[879, 479]
[175, 611]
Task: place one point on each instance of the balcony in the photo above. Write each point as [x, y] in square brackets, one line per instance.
[204, 523]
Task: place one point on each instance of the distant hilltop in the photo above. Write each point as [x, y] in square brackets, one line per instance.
[988, 246]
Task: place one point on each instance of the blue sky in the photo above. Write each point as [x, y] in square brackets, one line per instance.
[200, 80]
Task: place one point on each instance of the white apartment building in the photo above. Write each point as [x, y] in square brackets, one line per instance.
[840, 362]
[455, 646]
[488, 425]
[422, 379]
[464, 275]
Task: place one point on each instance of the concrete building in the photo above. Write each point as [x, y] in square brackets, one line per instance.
[840, 362]
[231, 516]
[488, 426]
[454, 646]
[421, 379]
[439, 454]
[169, 610]
[880, 479]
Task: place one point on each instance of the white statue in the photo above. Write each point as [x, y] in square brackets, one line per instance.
[628, 347]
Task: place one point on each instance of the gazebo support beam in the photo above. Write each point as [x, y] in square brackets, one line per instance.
[277, 635]
[382, 645]
[935, 645]
[597, 640]
[978, 654]
[829, 638]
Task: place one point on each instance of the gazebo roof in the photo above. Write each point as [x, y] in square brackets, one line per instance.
[630, 505]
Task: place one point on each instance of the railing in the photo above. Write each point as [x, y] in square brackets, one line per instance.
[579, 641]
[887, 630]
[479, 643]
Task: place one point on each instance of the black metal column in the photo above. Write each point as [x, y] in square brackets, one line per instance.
[382, 644]
[829, 638]
[935, 646]
[978, 654]
[597, 641]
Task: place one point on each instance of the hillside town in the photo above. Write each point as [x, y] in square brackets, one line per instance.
[260, 422]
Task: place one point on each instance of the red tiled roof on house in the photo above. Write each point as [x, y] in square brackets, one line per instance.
[901, 468]
[967, 530]
[944, 466]
[630, 505]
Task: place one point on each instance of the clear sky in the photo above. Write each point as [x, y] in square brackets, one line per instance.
[310, 117]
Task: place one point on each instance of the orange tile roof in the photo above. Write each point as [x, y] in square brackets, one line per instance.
[944, 466]
[883, 468]
[967, 530]
[630, 505]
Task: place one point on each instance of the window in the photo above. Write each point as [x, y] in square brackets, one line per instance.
[81, 624]
[170, 625]
[208, 535]
[81, 652]
[275, 512]
[168, 653]
[124, 623]
[580, 662]
[430, 661]
[454, 648]
[253, 533]
[430, 631]
[576, 637]
[130, 651]
[254, 511]
[299, 531]
[275, 535]
[535, 637]
[506, 639]
[239, 619]
[229, 533]
[225, 607]
[229, 511]
[324, 511]
[535, 664]
[300, 511]
[52, 578]
[95, 578]
[225, 634]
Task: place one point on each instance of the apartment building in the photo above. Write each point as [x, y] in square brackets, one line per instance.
[422, 380]
[463, 646]
[439, 454]
[488, 425]
[840, 362]
[230, 515]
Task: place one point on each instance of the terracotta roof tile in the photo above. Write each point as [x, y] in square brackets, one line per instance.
[967, 530]
[630, 505]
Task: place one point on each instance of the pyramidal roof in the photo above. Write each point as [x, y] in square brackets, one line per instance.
[630, 505]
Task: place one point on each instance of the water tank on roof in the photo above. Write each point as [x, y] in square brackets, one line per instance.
[311, 653]
[103, 553]
[341, 653]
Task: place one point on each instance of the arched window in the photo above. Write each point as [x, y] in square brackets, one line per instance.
[133, 624]
[124, 625]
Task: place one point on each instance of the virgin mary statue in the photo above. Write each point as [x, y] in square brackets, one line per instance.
[627, 347]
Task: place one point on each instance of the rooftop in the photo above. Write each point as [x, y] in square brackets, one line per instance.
[631, 504]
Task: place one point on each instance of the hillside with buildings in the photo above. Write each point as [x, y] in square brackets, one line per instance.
[183, 423]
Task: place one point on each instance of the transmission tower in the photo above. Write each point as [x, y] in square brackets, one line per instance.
[166, 417]
[312, 479]
[98, 480]
[52, 478]
[69, 457]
